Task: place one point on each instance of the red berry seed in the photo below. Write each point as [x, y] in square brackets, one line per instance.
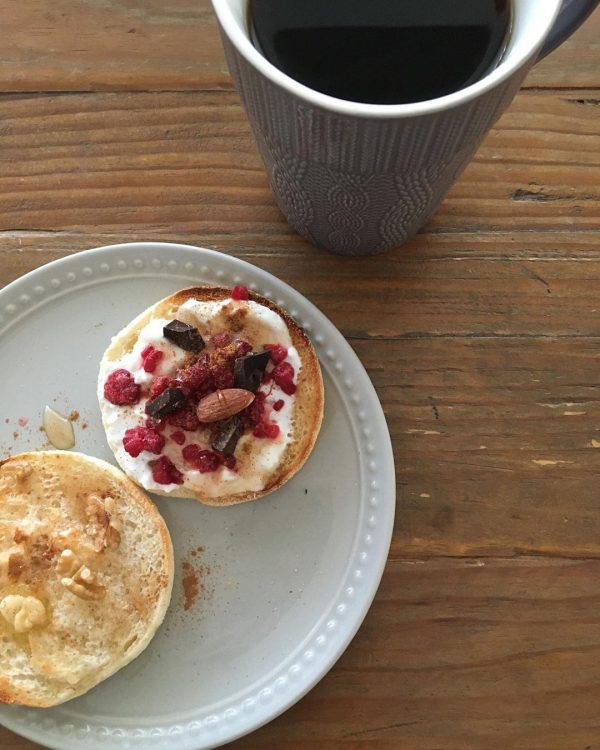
[203, 460]
[278, 352]
[151, 357]
[138, 439]
[164, 471]
[121, 389]
[279, 404]
[240, 292]
[178, 437]
[283, 375]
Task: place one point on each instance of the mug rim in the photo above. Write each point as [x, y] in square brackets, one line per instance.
[363, 109]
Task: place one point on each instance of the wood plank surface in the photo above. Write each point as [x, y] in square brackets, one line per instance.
[118, 123]
[143, 45]
[187, 161]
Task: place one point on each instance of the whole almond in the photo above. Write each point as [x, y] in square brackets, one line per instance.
[223, 404]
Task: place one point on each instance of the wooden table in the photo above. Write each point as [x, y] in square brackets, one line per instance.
[482, 336]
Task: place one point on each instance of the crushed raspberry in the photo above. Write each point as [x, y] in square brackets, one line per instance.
[195, 378]
[253, 414]
[222, 377]
[266, 430]
[178, 437]
[157, 386]
[242, 348]
[186, 418]
[279, 404]
[203, 460]
[229, 461]
[220, 339]
[120, 388]
[151, 357]
[158, 425]
[283, 375]
[240, 292]
[138, 439]
[278, 352]
[164, 471]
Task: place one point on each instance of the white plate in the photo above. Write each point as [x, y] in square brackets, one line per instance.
[289, 578]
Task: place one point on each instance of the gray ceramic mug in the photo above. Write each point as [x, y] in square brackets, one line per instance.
[359, 178]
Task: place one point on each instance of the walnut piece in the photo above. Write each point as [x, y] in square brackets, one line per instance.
[68, 563]
[102, 527]
[22, 612]
[78, 578]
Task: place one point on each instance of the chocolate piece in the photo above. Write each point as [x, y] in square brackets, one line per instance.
[228, 436]
[169, 400]
[248, 371]
[184, 336]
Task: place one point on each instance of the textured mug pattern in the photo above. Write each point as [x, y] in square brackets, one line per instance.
[356, 185]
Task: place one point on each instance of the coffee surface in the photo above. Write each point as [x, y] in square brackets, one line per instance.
[382, 51]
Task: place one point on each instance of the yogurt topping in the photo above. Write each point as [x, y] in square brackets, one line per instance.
[256, 457]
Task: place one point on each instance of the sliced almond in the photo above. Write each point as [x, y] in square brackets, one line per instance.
[223, 404]
[58, 429]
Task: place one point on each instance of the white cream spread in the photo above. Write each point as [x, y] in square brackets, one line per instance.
[260, 456]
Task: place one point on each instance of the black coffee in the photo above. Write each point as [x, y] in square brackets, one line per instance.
[382, 51]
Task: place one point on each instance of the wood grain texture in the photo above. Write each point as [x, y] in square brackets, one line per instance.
[187, 162]
[481, 337]
[138, 45]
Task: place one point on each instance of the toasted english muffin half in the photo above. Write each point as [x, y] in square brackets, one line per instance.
[174, 453]
[86, 571]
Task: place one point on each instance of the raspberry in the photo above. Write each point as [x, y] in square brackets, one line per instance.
[138, 439]
[229, 461]
[164, 471]
[178, 437]
[157, 386]
[203, 460]
[266, 430]
[279, 404]
[253, 414]
[278, 352]
[158, 425]
[186, 418]
[240, 292]
[222, 377]
[151, 357]
[195, 377]
[242, 348]
[120, 388]
[283, 375]
[220, 339]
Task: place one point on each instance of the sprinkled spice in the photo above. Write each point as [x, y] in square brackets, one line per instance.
[191, 585]
[73, 416]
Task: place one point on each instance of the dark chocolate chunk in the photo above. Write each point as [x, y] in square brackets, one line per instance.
[169, 400]
[184, 336]
[228, 436]
[248, 371]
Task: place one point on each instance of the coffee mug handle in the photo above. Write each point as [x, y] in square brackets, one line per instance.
[572, 14]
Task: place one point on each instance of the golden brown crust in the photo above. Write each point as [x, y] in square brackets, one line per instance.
[308, 402]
